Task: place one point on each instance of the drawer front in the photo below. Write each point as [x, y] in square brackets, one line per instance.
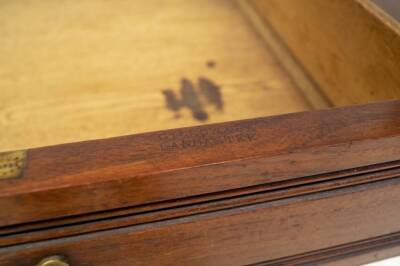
[239, 236]
[136, 170]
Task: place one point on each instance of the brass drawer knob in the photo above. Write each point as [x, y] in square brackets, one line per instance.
[53, 261]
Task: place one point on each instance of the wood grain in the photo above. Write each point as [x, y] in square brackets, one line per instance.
[239, 236]
[295, 189]
[166, 165]
[294, 69]
[352, 253]
[110, 219]
[350, 48]
[75, 71]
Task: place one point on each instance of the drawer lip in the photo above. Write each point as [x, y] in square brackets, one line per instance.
[204, 204]
[134, 170]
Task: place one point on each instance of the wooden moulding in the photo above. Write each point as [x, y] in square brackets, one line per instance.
[172, 168]
[295, 231]
[203, 204]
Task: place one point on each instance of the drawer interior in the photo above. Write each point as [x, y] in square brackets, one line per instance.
[75, 71]
[81, 70]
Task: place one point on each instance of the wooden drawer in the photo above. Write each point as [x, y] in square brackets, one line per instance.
[328, 221]
[199, 132]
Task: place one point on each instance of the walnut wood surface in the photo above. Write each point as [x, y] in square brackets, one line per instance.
[181, 208]
[73, 179]
[239, 236]
[57, 228]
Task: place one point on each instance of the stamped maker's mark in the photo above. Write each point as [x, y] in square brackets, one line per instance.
[208, 137]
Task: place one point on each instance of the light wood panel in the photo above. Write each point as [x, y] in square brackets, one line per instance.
[297, 73]
[350, 48]
[77, 70]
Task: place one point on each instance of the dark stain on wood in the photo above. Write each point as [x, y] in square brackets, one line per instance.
[172, 101]
[211, 92]
[194, 97]
[191, 100]
[210, 64]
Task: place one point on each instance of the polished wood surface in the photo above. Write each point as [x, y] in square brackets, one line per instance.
[56, 228]
[239, 236]
[172, 164]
